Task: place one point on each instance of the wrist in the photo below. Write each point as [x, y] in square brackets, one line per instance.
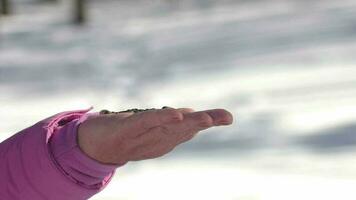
[72, 161]
[93, 141]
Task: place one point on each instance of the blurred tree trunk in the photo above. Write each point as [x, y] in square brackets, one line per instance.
[79, 11]
[5, 7]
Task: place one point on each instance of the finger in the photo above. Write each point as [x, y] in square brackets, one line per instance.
[170, 135]
[198, 121]
[141, 122]
[194, 121]
[190, 126]
[220, 117]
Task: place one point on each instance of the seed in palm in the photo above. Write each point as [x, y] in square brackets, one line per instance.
[134, 110]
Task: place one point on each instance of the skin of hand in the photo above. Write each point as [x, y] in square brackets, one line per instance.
[120, 138]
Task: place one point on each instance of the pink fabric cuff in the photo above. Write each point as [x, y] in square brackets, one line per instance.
[72, 161]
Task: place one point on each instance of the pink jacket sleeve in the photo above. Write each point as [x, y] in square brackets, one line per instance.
[44, 162]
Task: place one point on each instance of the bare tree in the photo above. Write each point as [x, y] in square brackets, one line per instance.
[79, 11]
[48, 1]
[5, 7]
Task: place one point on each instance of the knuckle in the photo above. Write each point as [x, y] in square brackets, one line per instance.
[205, 120]
[174, 114]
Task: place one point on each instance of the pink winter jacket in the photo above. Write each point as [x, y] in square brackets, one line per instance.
[44, 162]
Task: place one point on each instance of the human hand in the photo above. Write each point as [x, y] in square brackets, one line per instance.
[119, 138]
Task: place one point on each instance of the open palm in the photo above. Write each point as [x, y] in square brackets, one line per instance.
[119, 138]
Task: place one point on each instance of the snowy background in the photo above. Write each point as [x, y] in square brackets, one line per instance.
[285, 69]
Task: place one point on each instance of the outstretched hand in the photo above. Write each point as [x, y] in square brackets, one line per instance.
[119, 138]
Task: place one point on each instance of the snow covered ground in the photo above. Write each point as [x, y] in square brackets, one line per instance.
[286, 69]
